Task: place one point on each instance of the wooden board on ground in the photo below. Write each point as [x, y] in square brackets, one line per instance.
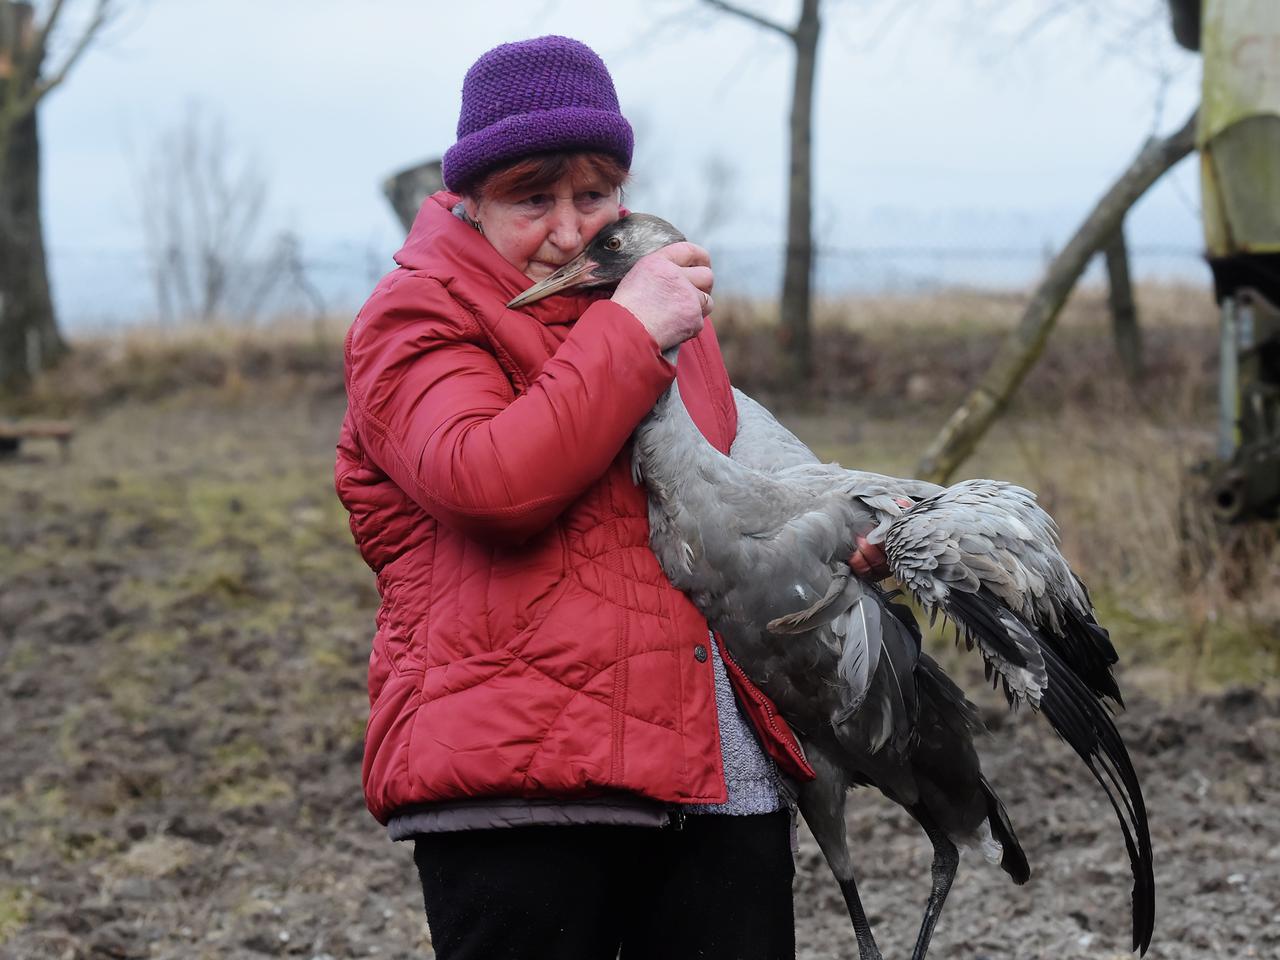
[13, 432]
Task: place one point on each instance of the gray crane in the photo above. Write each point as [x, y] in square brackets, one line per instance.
[760, 540]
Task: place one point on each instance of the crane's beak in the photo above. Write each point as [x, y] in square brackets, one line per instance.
[578, 272]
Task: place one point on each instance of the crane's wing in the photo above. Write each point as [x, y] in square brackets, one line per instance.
[986, 555]
[990, 538]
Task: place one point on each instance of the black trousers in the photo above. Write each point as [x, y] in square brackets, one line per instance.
[719, 888]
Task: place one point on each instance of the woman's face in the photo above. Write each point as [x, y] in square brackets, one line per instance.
[541, 230]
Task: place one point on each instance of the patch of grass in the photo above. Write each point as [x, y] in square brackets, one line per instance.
[78, 846]
[22, 655]
[1218, 651]
[264, 791]
[155, 644]
[132, 695]
[239, 757]
[16, 904]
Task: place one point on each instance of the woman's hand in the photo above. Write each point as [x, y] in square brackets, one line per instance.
[669, 292]
[868, 560]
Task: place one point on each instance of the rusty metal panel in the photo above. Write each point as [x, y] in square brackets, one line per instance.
[1239, 127]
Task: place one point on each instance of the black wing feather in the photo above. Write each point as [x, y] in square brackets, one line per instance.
[1087, 649]
[1071, 702]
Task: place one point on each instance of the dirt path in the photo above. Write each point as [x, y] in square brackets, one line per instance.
[183, 631]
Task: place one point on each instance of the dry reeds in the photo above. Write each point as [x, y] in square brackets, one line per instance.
[148, 363]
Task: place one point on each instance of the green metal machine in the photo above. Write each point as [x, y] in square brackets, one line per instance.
[1239, 143]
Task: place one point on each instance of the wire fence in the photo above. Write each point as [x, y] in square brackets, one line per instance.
[864, 271]
[97, 289]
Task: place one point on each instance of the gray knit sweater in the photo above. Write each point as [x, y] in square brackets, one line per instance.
[753, 781]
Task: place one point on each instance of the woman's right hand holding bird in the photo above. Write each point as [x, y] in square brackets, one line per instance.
[669, 292]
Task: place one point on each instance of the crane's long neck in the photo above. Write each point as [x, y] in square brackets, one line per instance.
[667, 441]
[672, 457]
[684, 478]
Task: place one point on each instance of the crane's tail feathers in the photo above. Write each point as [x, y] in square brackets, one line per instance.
[1080, 719]
[1012, 858]
[1032, 666]
[956, 711]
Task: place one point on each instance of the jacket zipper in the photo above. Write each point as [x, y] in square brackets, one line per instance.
[788, 742]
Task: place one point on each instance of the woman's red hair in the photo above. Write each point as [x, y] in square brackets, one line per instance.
[541, 170]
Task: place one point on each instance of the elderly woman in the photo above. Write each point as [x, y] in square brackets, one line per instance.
[550, 721]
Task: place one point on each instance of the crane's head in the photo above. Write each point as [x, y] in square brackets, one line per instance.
[608, 257]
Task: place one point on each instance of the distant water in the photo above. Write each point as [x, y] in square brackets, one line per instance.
[758, 273]
[97, 291]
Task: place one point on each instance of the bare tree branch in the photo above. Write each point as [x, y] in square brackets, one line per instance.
[202, 205]
[1024, 344]
[51, 21]
[41, 89]
[1045, 17]
[874, 35]
[757, 19]
[640, 46]
[796, 329]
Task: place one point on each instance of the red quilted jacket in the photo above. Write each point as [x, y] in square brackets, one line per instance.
[527, 642]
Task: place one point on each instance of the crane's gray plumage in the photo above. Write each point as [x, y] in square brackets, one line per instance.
[760, 541]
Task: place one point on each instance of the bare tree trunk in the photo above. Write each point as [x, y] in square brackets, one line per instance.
[797, 279]
[1016, 356]
[797, 282]
[1124, 313]
[28, 331]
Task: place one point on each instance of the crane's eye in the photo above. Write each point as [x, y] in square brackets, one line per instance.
[613, 243]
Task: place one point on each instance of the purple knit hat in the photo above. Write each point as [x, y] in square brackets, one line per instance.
[550, 93]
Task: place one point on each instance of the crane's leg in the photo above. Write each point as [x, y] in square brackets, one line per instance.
[822, 803]
[945, 861]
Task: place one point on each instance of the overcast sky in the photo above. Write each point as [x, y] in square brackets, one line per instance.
[937, 126]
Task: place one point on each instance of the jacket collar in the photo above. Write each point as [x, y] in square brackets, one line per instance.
[442, 245]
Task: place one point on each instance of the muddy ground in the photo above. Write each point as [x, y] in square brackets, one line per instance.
[183, 631]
